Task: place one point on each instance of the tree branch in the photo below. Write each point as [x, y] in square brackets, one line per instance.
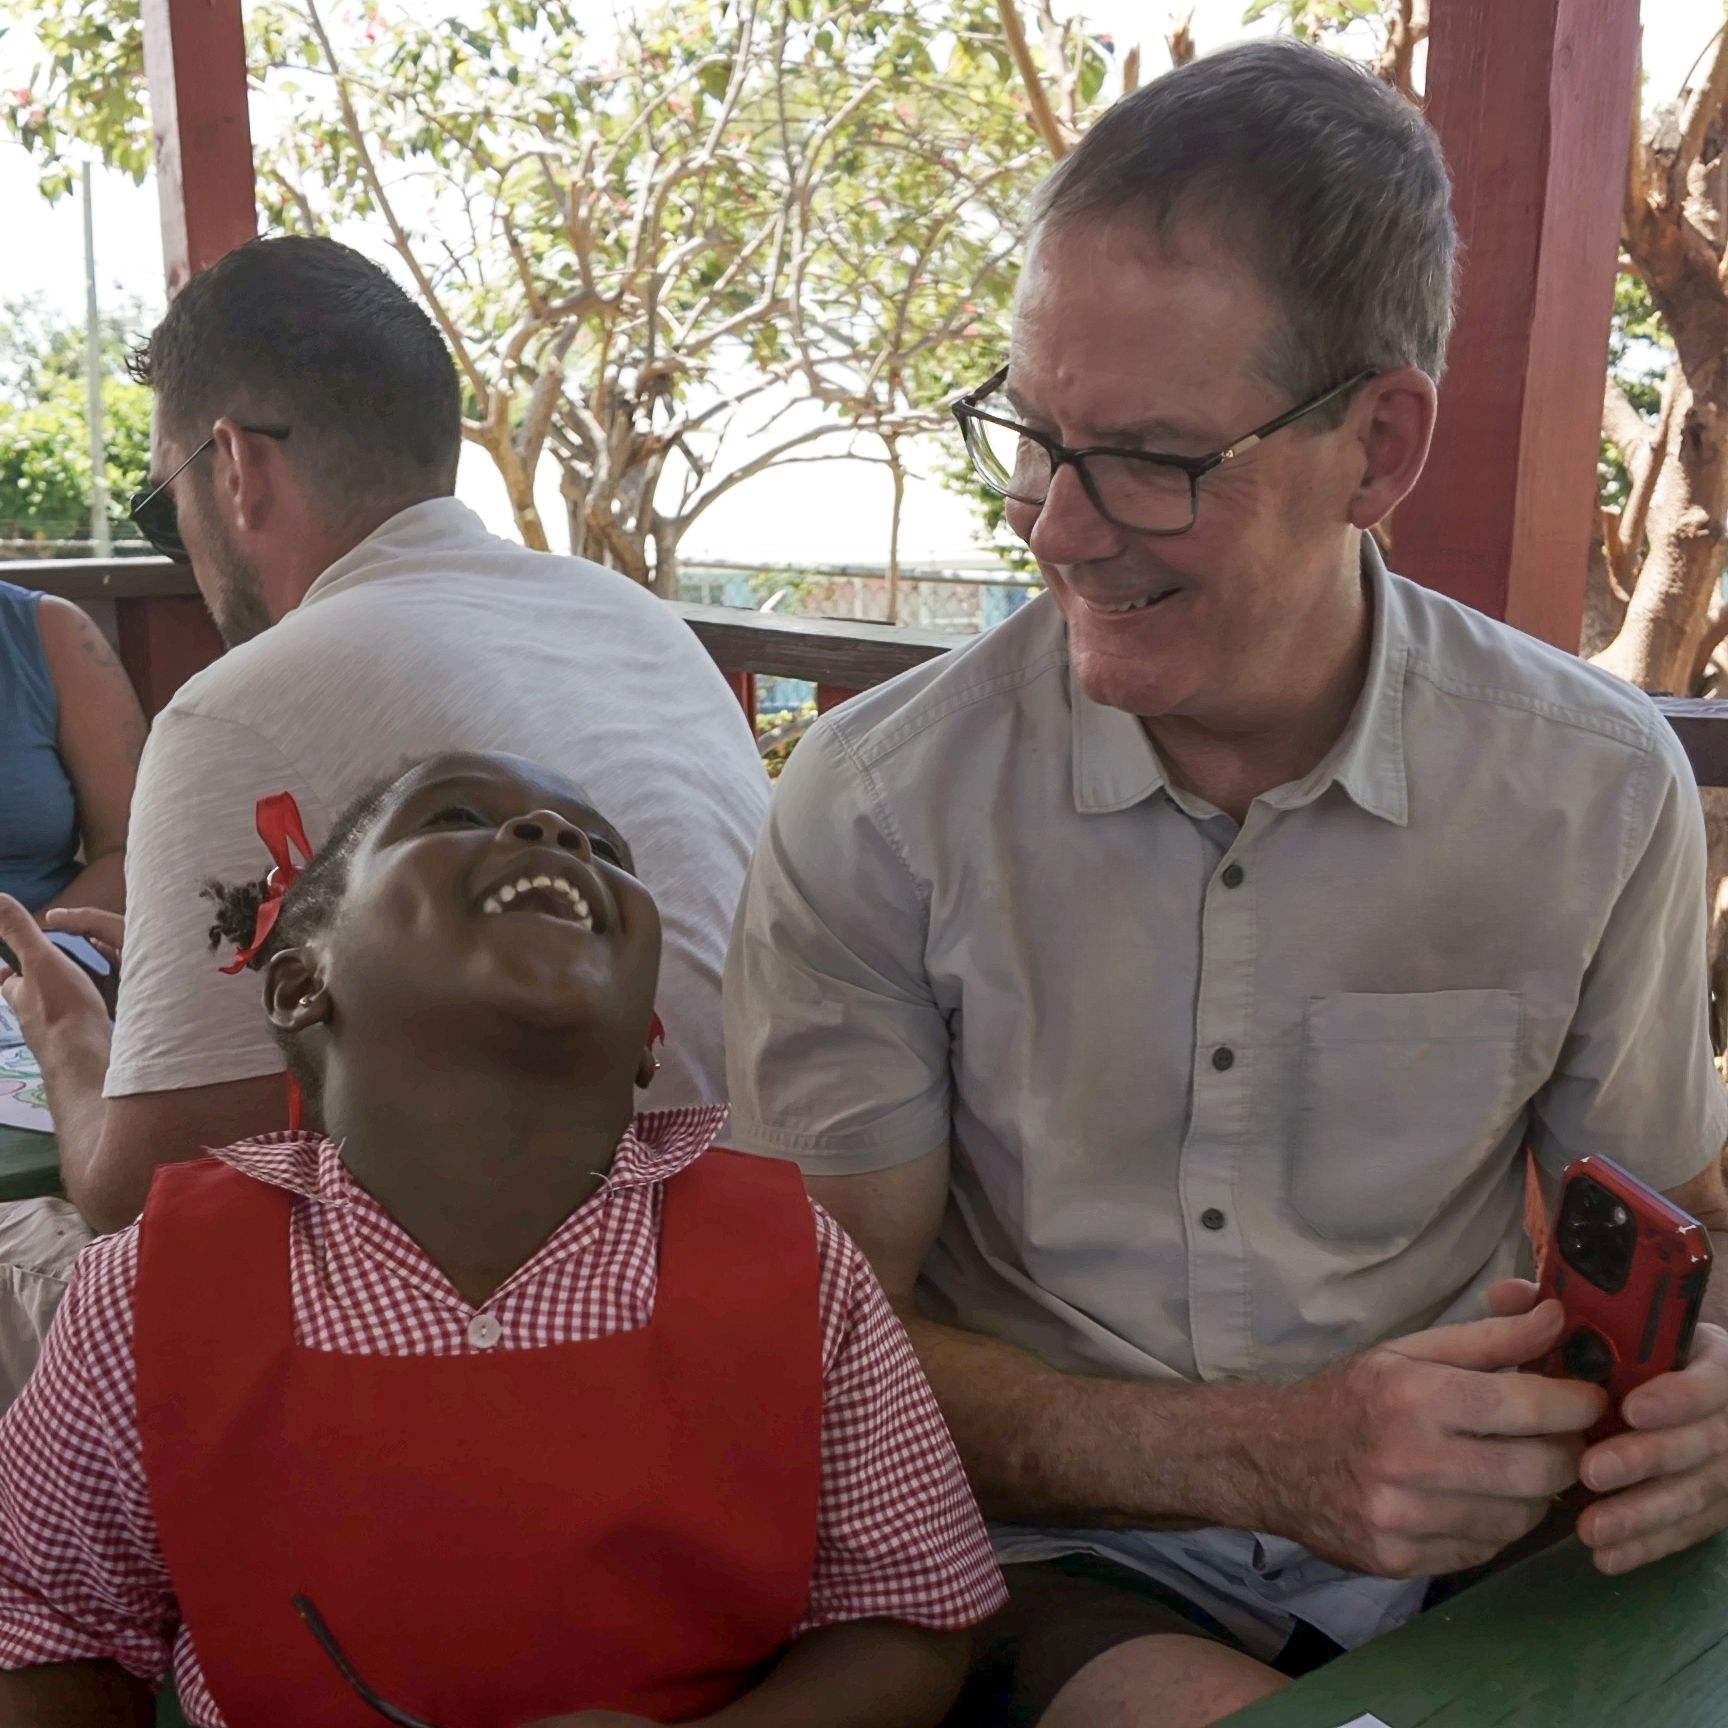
[1031, 80]
[398, 235]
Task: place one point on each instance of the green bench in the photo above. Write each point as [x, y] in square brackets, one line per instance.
[1551, 1643]
[29, 1164]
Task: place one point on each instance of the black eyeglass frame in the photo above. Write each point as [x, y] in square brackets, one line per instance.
[966, 410]
[159, 522]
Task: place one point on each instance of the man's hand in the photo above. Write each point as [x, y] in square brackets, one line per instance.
[1420, 1457]
[54, 995]
[1666, 1483]
[104, 931]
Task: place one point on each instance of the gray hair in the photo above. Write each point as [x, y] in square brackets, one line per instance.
[1330, 185]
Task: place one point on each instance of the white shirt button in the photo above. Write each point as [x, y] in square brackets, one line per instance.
[484, 1331]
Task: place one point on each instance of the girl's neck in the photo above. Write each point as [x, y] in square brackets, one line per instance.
[477, 1173]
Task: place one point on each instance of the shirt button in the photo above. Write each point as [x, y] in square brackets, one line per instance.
[1233, 875]
[1212, 1218]
[1223, 1058]
[484, 1331]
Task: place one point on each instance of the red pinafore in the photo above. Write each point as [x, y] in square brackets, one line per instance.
[627, 1523]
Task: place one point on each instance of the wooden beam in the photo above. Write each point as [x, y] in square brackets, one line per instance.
[163, 641]
[1533, 101]
[195, 62]
[851, 657]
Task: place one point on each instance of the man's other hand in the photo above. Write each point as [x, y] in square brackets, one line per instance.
[1421, 1457]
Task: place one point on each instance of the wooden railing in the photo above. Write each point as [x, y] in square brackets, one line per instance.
[165, 636]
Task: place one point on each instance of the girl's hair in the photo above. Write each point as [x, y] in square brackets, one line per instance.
[308, 908]
[310, 904]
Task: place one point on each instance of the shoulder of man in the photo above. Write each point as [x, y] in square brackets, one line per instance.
[973, 683]
[1465, 655]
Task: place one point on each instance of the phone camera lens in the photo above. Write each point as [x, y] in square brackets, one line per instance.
[1596, 1234]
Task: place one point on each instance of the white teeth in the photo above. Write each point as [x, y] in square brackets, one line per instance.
[1126, 605]
[527, 884]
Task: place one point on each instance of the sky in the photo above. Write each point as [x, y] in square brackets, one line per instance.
[831, 513]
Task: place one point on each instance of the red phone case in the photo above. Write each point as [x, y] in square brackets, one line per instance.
[1623, 1335]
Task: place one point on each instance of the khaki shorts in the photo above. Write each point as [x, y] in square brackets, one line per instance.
[39, 1240]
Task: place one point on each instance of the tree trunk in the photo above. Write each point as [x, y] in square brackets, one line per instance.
[665, 579]
[1658, 645]
[897, 469]
[519, 487]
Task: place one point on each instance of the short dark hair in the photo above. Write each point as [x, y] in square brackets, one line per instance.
[1330, 184]
[304, 331]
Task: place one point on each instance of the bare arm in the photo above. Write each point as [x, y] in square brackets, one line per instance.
[101, 737]
[106, 1168]
[110, 1147]
[861, 1674]
[75, 1695]
[1412, 1459]
[1040, 1446]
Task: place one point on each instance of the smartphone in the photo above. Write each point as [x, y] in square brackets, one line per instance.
[1629, 1268]
[86, 954]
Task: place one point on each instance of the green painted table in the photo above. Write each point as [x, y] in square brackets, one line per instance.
[1549, 1644]
[29, 1164]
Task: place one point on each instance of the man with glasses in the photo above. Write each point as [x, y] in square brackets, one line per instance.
[1164, 989]
[306, 430]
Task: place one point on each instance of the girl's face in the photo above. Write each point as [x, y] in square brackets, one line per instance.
[488, 906]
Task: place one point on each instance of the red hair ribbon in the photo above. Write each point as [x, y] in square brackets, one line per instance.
[278, 824]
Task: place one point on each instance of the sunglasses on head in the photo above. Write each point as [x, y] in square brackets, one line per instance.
[152, 510]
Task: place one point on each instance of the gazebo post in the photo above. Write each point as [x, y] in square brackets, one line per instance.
[1534, 102]
[195, 61]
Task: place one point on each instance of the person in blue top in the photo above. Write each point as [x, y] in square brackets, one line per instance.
[71, 732]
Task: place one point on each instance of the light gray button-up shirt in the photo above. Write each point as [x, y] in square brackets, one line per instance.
[1225, 1101]
[1230, 1102]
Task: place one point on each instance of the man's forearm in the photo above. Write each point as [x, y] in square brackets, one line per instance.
[861, 1674]
[74, 1065]
[75, 1695]
[1044, 1447]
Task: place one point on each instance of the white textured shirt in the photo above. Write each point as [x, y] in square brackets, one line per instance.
[1230, 1101]
[433, 635]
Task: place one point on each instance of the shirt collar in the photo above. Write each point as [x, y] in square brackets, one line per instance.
[1116, 765]
[435, 525]
[655, 1147]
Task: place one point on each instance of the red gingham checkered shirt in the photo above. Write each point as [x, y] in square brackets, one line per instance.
[82, 1577]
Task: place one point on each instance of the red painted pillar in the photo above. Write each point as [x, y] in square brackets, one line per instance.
[1533, 101]
[195, 61]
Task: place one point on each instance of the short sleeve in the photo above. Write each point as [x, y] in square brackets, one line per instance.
[837, 1053]
[1637, 1080]
[181, 1023]
[81, 1573]
[898, 1534]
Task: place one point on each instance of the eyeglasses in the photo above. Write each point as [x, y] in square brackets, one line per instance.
[338, 1657]
[153, 510]
[1147, 492]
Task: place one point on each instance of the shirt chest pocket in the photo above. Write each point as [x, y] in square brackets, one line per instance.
[1400, 1099]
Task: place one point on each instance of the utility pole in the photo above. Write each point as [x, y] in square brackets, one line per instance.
[100, 532]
